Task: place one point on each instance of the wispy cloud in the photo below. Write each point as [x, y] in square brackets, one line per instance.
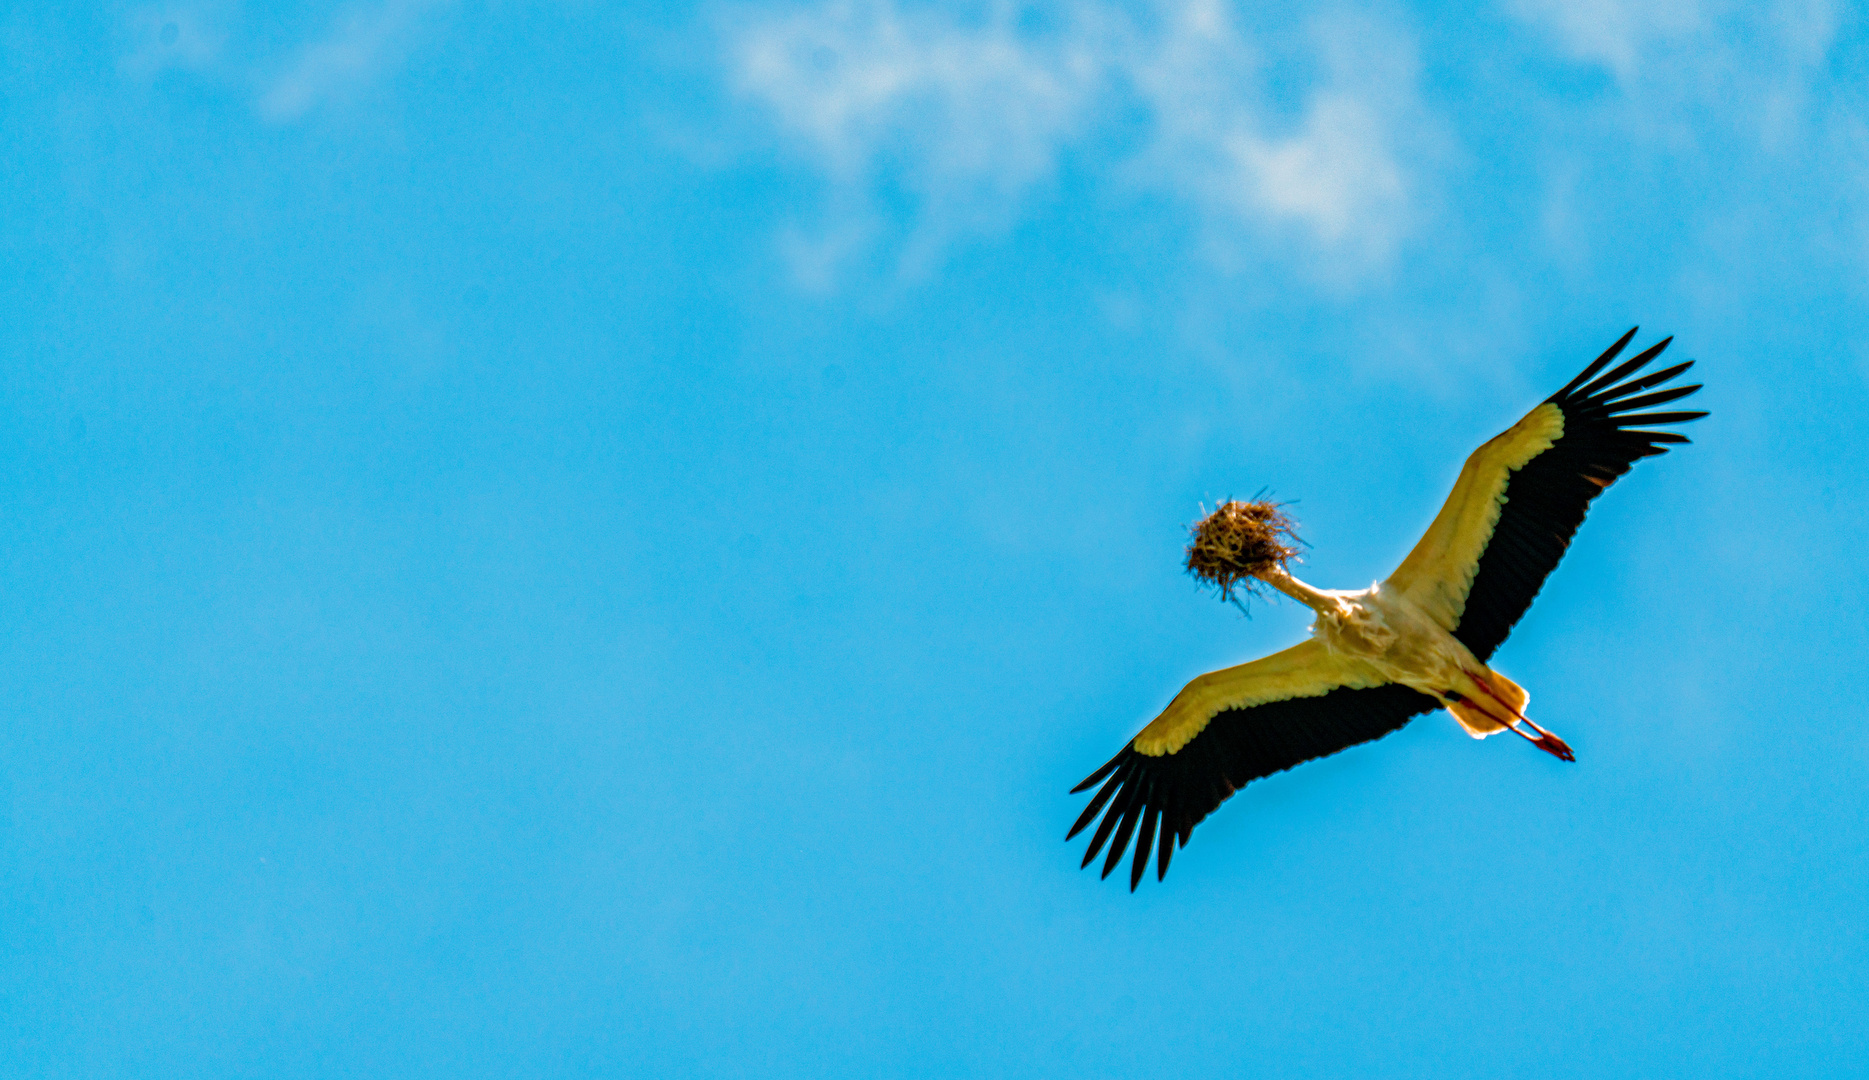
[966, 116]
[363, 43]
[962, 116]
[859, 80]
[1614, 33]
[1344, 178]
[1756, 83]
[1751, 65]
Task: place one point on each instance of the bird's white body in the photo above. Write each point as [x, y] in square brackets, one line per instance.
[1381, 627]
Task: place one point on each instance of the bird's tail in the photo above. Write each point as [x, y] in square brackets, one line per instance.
[1480, 717]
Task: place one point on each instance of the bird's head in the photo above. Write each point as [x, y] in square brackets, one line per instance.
[1231, 547]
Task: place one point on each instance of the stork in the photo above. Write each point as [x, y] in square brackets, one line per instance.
[1413, 643]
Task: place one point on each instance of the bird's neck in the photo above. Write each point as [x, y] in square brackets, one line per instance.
[1315, 599]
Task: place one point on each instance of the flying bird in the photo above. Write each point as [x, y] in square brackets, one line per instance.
[1411, 644]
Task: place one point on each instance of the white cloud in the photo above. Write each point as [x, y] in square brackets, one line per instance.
[1692, 74]
[358, 49]
[1754, 59]
[963, 116]
[848, 78]
[966, 116]
[1334, 174]
[1614, 33]
[1345, 177]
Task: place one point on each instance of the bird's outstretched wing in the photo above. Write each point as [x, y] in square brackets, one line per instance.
[1229, 727]
[1521, 496]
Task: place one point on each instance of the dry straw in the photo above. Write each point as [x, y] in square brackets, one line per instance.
[1236, 543]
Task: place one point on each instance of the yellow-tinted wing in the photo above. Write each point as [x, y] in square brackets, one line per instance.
[1304, 670]
[1230, 727]
[1439, 572]
[1521, 497]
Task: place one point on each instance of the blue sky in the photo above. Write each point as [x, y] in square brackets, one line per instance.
[554, 540]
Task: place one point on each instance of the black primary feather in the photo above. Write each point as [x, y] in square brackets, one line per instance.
[1177, 791]
[1546, 499]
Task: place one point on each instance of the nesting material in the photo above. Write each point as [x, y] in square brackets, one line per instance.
[1236, 543]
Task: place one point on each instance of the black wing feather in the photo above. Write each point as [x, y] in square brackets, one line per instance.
[1659, 397]
[1120, 842]
[1145, 844]
[1109, 788]
[1627, 367]
[1547, 498]
[1112, 814]
[1661, 418]
[1096, 776]
[1600, 362]
[1236, 747]
[1653, 378]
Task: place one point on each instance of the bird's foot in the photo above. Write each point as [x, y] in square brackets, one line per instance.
[1547, 742]
[1555, 746]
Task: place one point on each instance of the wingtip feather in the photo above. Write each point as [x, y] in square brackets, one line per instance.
[1597, 365]
[1096, 803]
[1624, 370]
[1659, 397]
[1111, 815]
[1653, 378]
[1097, 776]
[1119, 844]
[1145, 846]
[1661, 418]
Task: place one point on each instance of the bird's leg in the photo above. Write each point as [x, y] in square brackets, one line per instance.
[1548, 742]
[1544, 740]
